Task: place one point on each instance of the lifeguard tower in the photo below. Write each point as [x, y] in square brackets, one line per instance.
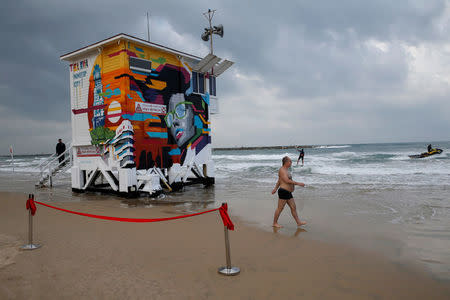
[141, 116]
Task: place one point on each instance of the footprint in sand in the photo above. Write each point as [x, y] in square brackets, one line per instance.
[9, 248]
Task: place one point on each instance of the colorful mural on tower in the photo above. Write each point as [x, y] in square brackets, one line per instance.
[141, 102]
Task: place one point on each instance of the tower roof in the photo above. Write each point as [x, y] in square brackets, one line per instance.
[122, 36]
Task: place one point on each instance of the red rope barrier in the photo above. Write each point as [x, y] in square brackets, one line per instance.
[223, 210]
[136, 220]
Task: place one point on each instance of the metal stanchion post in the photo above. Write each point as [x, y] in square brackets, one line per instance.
[228, 269]
[30, 245]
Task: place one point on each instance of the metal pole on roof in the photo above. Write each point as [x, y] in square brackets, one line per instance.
[148, 28]
[209, 15]
[210, 28]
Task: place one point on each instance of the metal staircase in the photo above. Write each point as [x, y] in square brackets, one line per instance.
[51, 167]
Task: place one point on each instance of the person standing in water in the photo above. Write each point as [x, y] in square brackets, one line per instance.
[285, 186]
[301, 156]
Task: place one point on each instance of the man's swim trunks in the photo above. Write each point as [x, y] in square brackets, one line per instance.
[284, 194]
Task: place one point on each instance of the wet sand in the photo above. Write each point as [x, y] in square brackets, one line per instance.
[95, 259]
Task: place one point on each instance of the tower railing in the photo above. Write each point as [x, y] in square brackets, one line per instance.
[52, 166]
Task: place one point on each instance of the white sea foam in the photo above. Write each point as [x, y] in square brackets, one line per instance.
[19, 170]
[327, 164]
[241, 166]
[372, 165]
[346, 154]
[251, 157]
[332, 147]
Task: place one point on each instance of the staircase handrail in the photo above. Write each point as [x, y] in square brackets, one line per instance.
[53, 158]
[66, 166]
[61, 155]
[45, 167]
[45, 160]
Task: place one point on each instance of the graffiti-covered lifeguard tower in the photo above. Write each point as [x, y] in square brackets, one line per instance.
[141, 115]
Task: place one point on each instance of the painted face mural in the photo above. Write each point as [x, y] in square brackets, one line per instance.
[156, 97]
[180, 119]
[187, 114]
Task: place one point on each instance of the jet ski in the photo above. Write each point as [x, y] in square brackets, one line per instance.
[426, 154]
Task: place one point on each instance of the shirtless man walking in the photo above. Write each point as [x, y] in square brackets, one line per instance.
[285, 186]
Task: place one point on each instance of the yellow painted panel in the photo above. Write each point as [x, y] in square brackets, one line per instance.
[113, 57]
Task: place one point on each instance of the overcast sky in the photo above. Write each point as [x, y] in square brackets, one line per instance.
[305, 72]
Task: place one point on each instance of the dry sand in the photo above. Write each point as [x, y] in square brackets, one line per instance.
[95, 259]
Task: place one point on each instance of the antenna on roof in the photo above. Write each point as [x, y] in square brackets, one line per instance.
[148, 28]
[212, 29]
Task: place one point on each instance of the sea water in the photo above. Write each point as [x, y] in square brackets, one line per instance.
[372, 164]
[371, 195]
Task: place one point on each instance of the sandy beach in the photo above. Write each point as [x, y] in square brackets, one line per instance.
[95, 259]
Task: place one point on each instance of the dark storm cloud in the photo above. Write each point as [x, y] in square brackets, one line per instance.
[316, 49]
[304, 49]
[306, 46]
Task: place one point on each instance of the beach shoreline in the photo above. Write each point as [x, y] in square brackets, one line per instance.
[357, 216]
[92, 258]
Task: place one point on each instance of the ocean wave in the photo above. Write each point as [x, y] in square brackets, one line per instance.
[332, 147]
[346, 154]
[26, 170]
[302, 171]
[379, 164]
[251, 157]
[242, 167]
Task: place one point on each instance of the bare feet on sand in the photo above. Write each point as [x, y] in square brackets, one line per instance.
[276, 225]
[301, 223]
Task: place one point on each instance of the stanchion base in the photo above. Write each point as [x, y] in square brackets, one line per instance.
[30, 247]
[229, 271]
